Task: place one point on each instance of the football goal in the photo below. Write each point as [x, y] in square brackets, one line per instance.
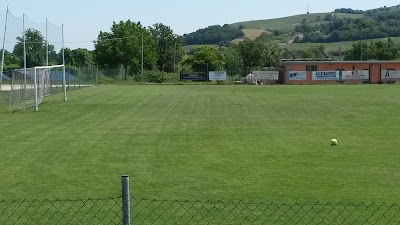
[29, 86]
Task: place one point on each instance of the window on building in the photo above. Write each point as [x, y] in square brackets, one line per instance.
[311, 68]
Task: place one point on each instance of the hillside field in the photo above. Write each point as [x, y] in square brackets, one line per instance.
[334, 46]
[286, 24]
[206, 142]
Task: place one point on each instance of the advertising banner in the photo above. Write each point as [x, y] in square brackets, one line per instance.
[390, 74]
[355, 75]
[194, 76]
[217, 75]
[297, 75]
[325, 75]
[266, 75]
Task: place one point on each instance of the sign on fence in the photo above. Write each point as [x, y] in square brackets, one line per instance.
[266, 75]
[355, 75]
[217, 75]
[325, 75]
[297, 75]
[194, 76]
[390, 74]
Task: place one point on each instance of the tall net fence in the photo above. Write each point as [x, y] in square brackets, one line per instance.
[36, 44]
[26, 44]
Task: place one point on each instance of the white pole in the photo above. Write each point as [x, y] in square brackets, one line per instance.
[36, 89]
[24, 37]
[47, 46]
[2, 53]
[63, 58]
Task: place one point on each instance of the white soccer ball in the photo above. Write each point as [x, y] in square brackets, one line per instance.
[334, 142]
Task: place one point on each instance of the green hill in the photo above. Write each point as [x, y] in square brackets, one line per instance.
[289, 23]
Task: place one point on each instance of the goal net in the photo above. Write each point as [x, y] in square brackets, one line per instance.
[30, 86]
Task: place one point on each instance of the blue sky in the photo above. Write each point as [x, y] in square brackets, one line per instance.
[84, 19]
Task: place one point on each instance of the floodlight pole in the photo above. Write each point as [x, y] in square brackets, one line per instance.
[2, 53]
[63, 59]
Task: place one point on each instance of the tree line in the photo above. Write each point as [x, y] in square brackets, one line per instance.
[216, 34]
[377, 23]
[155, 51]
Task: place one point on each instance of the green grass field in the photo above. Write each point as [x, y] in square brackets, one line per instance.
[263, 143]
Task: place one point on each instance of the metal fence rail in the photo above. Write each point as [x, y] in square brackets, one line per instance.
[147, 211]
[86, 211]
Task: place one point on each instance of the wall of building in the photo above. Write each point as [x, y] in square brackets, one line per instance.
[375, 71]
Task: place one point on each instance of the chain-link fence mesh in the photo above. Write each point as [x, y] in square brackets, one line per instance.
[151, 211]
[147, 211]
[87, 211]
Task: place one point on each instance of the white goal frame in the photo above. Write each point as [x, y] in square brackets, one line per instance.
[36, 102]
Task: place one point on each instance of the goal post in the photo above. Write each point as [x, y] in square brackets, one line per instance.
[30, 86]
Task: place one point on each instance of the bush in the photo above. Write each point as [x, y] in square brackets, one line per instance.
[104, 80]
[155, 76]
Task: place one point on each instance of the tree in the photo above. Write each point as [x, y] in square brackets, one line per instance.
[328, 17]
[270, 54]
[251, 52]
[68, 56]
[169, 47]
[35, 49]
[307, 53]
[374, 50]
[213, 35]
[233, 60]
[122, 46]
[10, 61]
[205, 56]
[82, 57]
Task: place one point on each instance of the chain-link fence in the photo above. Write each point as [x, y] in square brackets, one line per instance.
[86, 211]
[146, 211]
[149, 211]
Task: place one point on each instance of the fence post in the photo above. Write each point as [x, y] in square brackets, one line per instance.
[126, 214]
